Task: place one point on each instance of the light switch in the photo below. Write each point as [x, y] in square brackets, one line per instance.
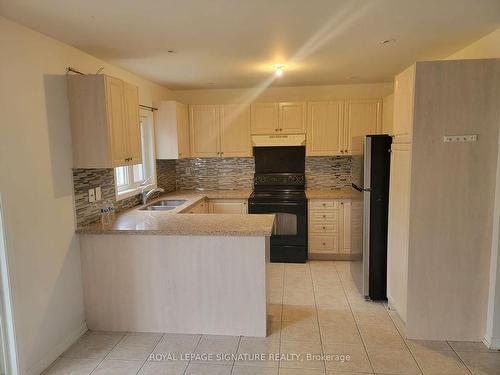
[91, 195]
[460, 138]
[98, 195]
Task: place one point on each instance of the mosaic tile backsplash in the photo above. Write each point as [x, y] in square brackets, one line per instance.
[200, 173]
[215, 173]
[85, 179]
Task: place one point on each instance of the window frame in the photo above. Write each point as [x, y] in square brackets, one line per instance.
[148, 161]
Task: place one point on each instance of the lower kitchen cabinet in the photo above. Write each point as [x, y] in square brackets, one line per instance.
[228, 206]
[199, 208]
[329, 228]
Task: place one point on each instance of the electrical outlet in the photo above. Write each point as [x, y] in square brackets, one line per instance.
[98, 194]
[188, 171]
[91, 195]
[460, 138]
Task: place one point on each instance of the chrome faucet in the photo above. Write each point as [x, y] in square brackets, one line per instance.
[145, 193]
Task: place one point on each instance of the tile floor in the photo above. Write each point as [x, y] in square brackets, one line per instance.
[313, 308]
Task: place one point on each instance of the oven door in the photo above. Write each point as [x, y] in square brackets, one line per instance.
[290, 226]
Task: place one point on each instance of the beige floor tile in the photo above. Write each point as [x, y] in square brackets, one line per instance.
[163, 368]
[93, 345]
[367, 306]
[331, 298]
[252, 370]
[400, 325]
[274, 311]
[340, 333]
[118, 367]
[298, 297]
[393, 362]
[300, 331]
[275, 296]
[73, 366]
[273, 333]
[328, 315]
[205, 369]
[482, 363]
[214, 349]
[469, 346]
[135, 346]
[373, 317]
[295, 371]
[331, 372]
[293, 313]
[260, 348]
[381, 337]
[177, 345]
[415, 345]
[341, 357]
[434, 362]
[303, 350]
[320, 282]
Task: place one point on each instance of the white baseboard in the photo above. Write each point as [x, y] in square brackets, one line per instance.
[53, 354]
[492, 343]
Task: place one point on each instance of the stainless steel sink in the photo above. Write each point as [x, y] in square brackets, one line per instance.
[163, 205]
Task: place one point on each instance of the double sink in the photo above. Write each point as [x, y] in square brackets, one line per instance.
[163, 205]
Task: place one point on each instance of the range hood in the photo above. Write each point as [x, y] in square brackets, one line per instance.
[279, 140]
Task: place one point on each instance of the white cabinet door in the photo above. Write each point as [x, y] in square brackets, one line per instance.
[204, 130]
[265, 118]
[398, 231]
[325, 128]
[362, 117]
[235, 130]
[116, 113]
[227, 206]
[404, 92]
[292, 118]
[131, 95]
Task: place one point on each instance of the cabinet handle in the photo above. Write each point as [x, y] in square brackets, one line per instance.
[324, 215]
[324, 204]
[275, 130]
[341, 202]
[281, 129]
[222, 153]
[324, 228]
[324, 244]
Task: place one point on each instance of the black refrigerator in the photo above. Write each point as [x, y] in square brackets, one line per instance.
[369, 215]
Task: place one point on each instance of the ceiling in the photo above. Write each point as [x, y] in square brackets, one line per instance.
[233, 43]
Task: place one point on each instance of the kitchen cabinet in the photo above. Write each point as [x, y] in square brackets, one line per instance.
[172, 130]
[265, 118]
[292, 118]
[404, 88]
[220, 130]
[235, 130]
[325, 128]
[104, 115]
[361, 117]
[199, 208]
[332, 125]
[329, 228]
[228, 206]
[278, 118]
[204, 130]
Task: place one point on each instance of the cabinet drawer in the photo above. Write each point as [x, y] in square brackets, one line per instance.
[324, 205]
[324, 228]
[323, 216]
[322, 243]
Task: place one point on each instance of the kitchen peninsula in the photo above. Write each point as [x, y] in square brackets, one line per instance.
[177, 271]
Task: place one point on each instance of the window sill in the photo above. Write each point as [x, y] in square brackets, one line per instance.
[124, 194]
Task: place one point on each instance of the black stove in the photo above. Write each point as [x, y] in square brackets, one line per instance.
[279, 189]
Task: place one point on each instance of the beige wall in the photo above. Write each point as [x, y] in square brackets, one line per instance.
[301, 93]
[388, 114]
[36, 188]
[485, 48]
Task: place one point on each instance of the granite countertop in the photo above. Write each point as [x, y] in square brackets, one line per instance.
[328, 193]
[176, 222]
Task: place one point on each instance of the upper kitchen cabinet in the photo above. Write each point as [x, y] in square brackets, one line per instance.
[104, 114]
[172, 131]
[325, 128]
[235, 130]
[279, 118]
[220, 130]
[265, 118]
[292, 118]
[204, 130]
[361, 117]
[404, 88]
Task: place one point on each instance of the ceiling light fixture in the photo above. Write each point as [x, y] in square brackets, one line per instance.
[279, 69]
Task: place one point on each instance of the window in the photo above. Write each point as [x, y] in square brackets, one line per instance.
[129, 179]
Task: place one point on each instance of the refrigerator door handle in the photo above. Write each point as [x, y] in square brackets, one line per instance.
[359, 189]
